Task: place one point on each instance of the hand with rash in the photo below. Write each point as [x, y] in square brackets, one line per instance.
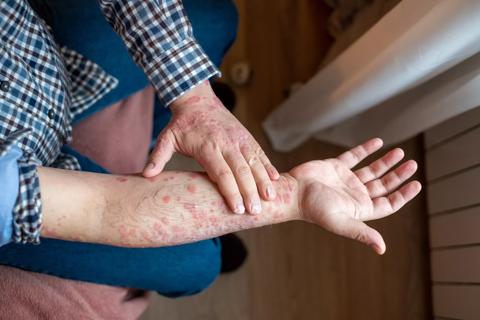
[202, 128]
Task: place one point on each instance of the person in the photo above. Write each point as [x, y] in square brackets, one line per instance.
[159, 38]
[40, 96]
[110, 101]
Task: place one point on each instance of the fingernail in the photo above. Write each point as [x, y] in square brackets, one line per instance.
[256, 208]
[270, 192]
[239, 208]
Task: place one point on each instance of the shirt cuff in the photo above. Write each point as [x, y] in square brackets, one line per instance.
[179, 70]
[27, 214]
[10, 186]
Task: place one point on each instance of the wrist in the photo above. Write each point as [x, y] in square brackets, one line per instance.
[289, 195]
[192, 97]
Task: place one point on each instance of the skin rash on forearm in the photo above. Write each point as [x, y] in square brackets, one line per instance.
[179, 207]
[172, 208]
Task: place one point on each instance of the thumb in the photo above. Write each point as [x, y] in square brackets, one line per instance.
[359, 231]
[160, 155]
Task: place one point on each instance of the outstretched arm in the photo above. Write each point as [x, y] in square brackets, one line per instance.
[182, 207]
[132, 211]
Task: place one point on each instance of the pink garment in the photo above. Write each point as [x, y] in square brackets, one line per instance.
[117, 138]
[27, 295]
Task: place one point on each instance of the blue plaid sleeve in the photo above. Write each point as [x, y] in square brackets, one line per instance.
[27, 212]
[160, 40]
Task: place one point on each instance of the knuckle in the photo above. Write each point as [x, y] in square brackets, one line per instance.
[378, 187]
[224, 173]
[378, 166]
[258, 152]
[210, 146]
[363, 174]
[242, 170]
[360, 236]
[368, 172]
[244, 148]
[390, 180]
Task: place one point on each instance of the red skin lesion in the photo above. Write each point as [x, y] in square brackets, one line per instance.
[166, 199]
[190, 208]
[193, 175]
[191, 188]
[126, 234]
[122, 179]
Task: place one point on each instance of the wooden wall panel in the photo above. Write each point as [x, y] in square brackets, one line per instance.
[455, 155]
[455, 192]
[452, 127]
[460, 265]
[456, 301]
[445, 229]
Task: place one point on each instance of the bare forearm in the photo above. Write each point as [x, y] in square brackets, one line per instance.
[181, 207]
[173, 208]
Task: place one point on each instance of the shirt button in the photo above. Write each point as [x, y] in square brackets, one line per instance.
[51, 113]
[4, 86]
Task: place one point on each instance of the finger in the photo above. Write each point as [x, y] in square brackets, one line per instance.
[249, 154]
[262, 179]
[359, 231]
[160, 155]
[392, 180]
[219, 172]
[272, 171]
[260, 172]
[379, 167]
[354, 156]
[245, 180]
[385, 206]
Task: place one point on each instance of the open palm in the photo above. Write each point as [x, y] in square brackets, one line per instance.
[339, 199]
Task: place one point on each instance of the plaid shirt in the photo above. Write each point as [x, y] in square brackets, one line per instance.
[43, 86]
